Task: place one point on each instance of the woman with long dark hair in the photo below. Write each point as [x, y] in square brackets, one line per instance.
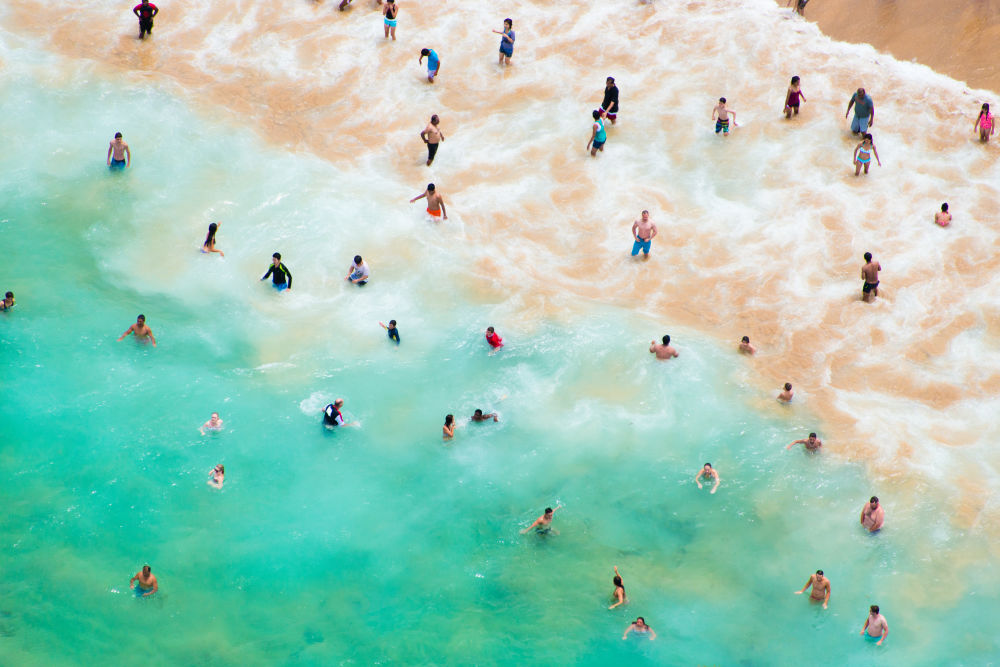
[209, 244]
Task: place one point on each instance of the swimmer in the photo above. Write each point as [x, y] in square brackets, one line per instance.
[141, 331]
[663, 351]
[619, 594]
[800, 8]
[640, 628]
[281, 277]
[8, 302]
[985, 123]
[448, 430]
[146, 584]
[493, 338]
[392, 330]
[358, 273]
[332, 417]
[643, 231]
[478, 416]
[597, 134]
[609, 106]
[792, 98]
[820, 588]
[872, 515]
[720, 114]
[209, 244]
[876, 627]
[786, 395]
[145, 10]
[213, 424]
[863, 154]
[433, 63]
[119, 155]
[864, 111]
[217, 477]
[943, 217]
[506, 41]
[812, 443]
[389, 13]
[745, 346]
[435, 202]
[432, 136]
[708, 472]
[543, 524]
[869, 274]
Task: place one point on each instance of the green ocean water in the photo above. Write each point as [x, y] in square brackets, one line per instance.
[382, 544]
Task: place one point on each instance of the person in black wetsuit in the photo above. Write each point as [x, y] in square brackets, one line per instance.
[392, 330]
[280, 275]
[609, 107]
[332, 417]
[145, 10]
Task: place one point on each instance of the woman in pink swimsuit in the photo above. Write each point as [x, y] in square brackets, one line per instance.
[985, 123]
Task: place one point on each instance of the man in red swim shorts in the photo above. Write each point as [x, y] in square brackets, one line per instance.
[145, 10]
[435, 202]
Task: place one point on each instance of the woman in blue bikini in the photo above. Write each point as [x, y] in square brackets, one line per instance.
[863, 154]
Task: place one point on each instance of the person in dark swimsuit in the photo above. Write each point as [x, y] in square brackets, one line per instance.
[145, 10]
[391, 330]
[792, 98]
[609, 107]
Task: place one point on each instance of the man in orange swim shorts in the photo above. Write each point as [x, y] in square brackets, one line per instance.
[435, 202]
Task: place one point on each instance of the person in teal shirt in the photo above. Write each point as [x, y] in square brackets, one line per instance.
[597, 136]
[433, 63]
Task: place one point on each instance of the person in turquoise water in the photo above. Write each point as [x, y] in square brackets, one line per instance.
[333, 417]
[145, 582]
[876, 628]
[720, 114]
[543, 524]
[119, 155]
[141, 330]
[506, 41]
[785, 396]
[619, 595]
[708, 473]
[217, 477]
[358, 272]
[493, 338]
[8, 302]
[664, 350]
[448, 430]
[639, 627]
[597, 134]
[209, 245]
[433, 63]
[391, 330]
[820, 588]
[480, 416]
[812, 443]
[872, 515]
[389, 13]
[213, 424]
[985, 123]
[745, 347]
[280, 276]
[863, 154]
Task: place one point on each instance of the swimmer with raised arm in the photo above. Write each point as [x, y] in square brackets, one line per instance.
[435, 202]
[391, 330]
[141, 331]
[543, 524]
[448, 430]
[820, 588]
[708, 473]
[145, 582]
[663, 351]
[479, 416]
[209, 244]
[213, 424]
[619, 595]
[640, 628]
[745, 347]
[812, 443]
[218, 476]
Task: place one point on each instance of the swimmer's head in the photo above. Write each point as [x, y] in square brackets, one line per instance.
[276, 258]
[640, 620]
[874, 608]
[449, 420]
[708, 466]
[221, 469]
[611, 81]
[548, 511]
[489, 330]
[868, 257]
[596, 114]
[722, 100]
[392, 323]
[868, 137]
[141, 319]
[357, 259]
[146, 569]
[874, 501]
[118, 135]
[645, 215]
[819, 572]
[812, 436]
[479, 413]
[861, 92]
[795, 80]
[435, 120]
[215, 415]
[746, 339]
[986, 107]
[944, 207]
[788, 386]
[425, 52]
[666, 340]
[508, 23]
[9, 295]
[338, 402]
[430, 187]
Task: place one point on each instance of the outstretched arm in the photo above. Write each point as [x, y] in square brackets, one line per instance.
[418, 197]
[796, 442]
[717, 481]
[804, 588]
[127, 332]
[537, 521]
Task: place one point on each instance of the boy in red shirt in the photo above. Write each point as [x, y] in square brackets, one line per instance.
[145, 10]
[495, 341]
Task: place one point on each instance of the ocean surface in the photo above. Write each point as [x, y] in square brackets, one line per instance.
[296, 128]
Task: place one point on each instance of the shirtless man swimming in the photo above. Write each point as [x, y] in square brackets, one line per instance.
[746, 347]
[146, 585]
[872, 515]
[643, 231]
[786, 395]
[543, 524]
[663, 350]
[435, 202]
[478, 416]
[432, 136]
[213, 424]
[812, 443]
[869, 274]
[141, 331]
[708, 473]
[876, 627]
[119, 155]
[820, 588]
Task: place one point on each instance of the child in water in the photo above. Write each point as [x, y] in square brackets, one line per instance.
[792, 98]
[943, 217]
[8, 301]
[863, 154]
[209, 244]
[720, 114]
[985, 123]
[391, 330]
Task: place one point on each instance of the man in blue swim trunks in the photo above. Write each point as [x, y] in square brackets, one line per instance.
[433, 63]
[119, 156]
[146, 584]
[864, 111]
[643, 231]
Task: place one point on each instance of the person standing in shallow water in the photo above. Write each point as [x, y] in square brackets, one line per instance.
[597, 134]
[985, 123]
[435, 202]
[145, 10]
[869, 274]
[800, 6]
[141, 331]
[876, 627]
[792, 98]
[639, 627]
[432, 136]
[820, 588]
[863, 154]
[720, 114]
[280, 276]
[389, 13]
[785, 396]
[506, 41]
[943, 218]
[209, 245]
[643, 231]
[145, 582]
[745, 347]
[119, 155]
[433, 63]
[619, 595]
[864, 111]
[448, 430]
[872, 515]
[543, 524]
[663, 351]
[609, 106]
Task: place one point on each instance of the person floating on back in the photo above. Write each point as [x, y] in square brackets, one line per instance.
[597, 134]
[985, 123]
[869, 274]
[506, 41]
[609, 106]
[432, 136]
[493, 338]
[8, 302]
[391, 330]
[864, 111]
[943, 217]
[433, 63]
[145, 10]
[209, 245]
[792, 98]
[863, 154]
[280, 276]
[435, 202]
[141, 331]
[119, 155]
[663, 351]
[389, 13]
[358, 272]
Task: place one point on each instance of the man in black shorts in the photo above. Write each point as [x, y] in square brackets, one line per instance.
[145, 10]
[609, 107]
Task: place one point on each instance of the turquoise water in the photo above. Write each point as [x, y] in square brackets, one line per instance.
[382, 544]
